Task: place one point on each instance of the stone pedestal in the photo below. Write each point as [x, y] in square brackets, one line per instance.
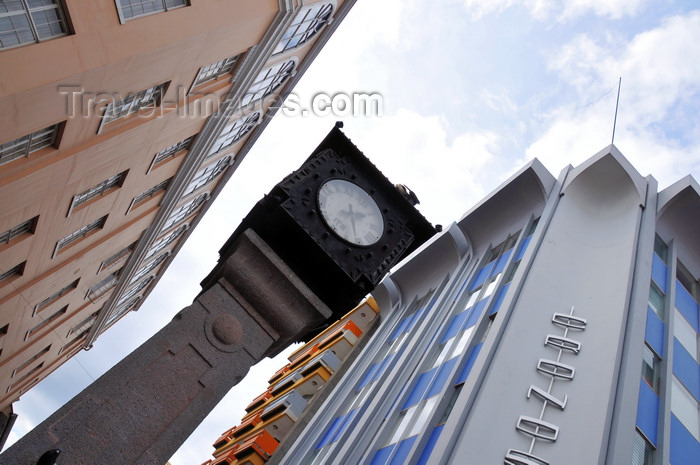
[144, 408]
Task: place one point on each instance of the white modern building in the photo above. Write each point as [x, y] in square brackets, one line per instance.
[555, 323]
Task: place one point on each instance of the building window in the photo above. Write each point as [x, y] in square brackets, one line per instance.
[161, 186]
[117, 257]
[685, 408]
[651, 368]
[130, 9]
[207, 174]
[23, 146]
[171, 152]
[267, 81]
[27, 227]
[164, 241]
[102, 188]
[101, 289]
[185, 210]
[13, 272]
[36, 357]
[79, 234]
[233, 132]
[215, 70]
[656, 301]
[25, 377]
[54, 297]
[642, 450]
[661, 248]
[147, 99]
[305, 25]
[135, 290]
[56, 315]
[83, 326]
[125, 308]
[72, 343]
[29, 21]
[149, 267]
[685, 333]
[685, 277]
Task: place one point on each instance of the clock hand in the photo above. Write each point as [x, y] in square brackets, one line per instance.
[352, 219]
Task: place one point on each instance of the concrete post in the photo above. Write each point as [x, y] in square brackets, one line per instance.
[144, 408]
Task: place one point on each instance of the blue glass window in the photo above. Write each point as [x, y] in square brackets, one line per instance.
[470, 363]
[687, 305]
[455, 325]
[434, 436]
[499, 299]
[402, 451]
[382, 455]
[443, 375]
[420, 388]
[483, 274]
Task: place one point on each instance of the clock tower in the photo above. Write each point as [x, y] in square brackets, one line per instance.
[306, 254]
[338, 223]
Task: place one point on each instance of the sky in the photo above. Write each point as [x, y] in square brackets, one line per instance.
[471, 90]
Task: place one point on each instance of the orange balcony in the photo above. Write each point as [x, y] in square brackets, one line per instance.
[224, 459]
[259, 401]
[304, 356]
[257, 449]
[362, 316]
[279, 373]
[224, 439]
[246, 426]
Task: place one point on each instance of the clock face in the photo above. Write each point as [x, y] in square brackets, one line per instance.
[350, 212]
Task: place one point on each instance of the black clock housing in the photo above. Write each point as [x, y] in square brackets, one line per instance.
[338, 272]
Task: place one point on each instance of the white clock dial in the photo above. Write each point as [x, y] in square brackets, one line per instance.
[350, 212]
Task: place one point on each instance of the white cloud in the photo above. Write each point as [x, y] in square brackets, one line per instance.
[413, 149]
[613, 9]
[543, 10]
[660, 88]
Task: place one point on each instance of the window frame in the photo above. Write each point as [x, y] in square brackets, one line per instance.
[149, 194]
[55, 296]
[165, 240]
[102, 189]
[150, 266]
[6, 277]
[100, 290]
[207, 174]
[226, 66]
[61, 13]
[134, 103]
[654, 369]
[117, 257]
[25, 228]
[239, 127]
[122, 310]
[317, 23]
[48, 137]
[31, 360]
[185, 210]
[134, 290]
[269, 80]
[83, 325]
[77, 236]
[123, 18]
[45, 323]
[171, 152]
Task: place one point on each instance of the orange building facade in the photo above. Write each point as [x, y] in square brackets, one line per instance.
[293, 390]
[120, 122]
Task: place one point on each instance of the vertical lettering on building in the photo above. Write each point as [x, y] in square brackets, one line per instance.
[537, 429]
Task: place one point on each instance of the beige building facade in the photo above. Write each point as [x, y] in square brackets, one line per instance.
[120, 122]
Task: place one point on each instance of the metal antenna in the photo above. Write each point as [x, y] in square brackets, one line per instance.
[617, 104]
